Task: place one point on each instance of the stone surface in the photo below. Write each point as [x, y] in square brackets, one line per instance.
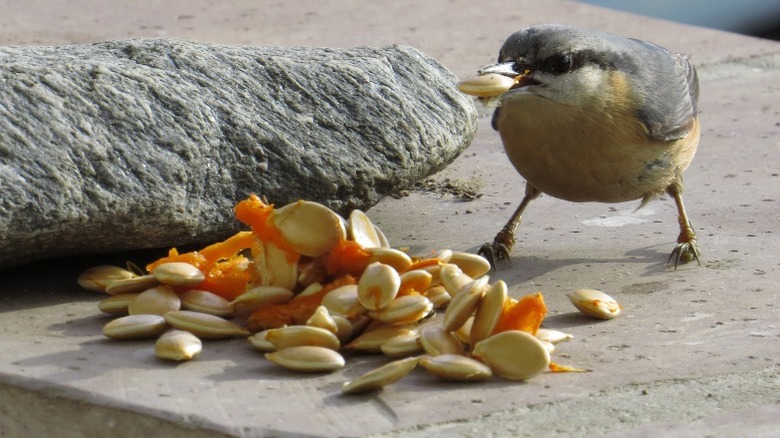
[149, 143]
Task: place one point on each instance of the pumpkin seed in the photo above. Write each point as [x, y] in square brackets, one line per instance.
[177, 345]
[307, 359]
[380, 377]
[135, 327]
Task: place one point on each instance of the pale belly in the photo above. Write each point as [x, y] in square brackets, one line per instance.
[577, 157]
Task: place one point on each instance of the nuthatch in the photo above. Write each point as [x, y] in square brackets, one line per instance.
[592, 116]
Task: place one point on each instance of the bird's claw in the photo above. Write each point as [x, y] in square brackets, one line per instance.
[493, 252]
[685, 251]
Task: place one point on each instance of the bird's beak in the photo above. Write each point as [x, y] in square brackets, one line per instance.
[508, 69]
[505, 68]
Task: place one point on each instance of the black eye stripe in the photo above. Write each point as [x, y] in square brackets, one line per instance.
[560, 64]
[554, 64]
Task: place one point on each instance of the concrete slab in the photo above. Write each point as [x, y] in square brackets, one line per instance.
[695, 353]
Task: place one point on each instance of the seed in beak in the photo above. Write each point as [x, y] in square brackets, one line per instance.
[486, 85]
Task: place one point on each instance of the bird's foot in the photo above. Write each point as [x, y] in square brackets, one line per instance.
[500, 247]
[686, 251]
[493, 252]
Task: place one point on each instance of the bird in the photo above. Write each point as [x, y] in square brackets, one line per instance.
[591, 116]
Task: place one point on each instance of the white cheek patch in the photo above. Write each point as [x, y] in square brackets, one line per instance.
[574, 88]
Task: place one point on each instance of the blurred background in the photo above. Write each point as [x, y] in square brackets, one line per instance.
[759, 18]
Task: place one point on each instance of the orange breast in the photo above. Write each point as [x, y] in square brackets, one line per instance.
[580, 154]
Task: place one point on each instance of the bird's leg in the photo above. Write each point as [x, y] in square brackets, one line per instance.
[687, 249]
[505, 239]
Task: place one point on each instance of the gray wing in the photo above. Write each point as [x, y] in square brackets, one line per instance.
[670, 88]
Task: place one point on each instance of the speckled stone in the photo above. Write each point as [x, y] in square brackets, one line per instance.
[149, 143]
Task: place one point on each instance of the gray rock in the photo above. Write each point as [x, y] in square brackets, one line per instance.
[150, 143]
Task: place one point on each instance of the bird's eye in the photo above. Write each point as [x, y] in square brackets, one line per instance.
[561, 64]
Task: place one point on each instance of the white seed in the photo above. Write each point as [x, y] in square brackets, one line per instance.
[177, 345]
[261, 342]
[456, 367]
[310, 273]
[260, 296]
[273, 265]
[404, 310]
[344, 301]
[437, 341]
[155, 301]
[321, 318]
[464, 303]
[513, 354]
[403, 345]
[363, 231]
[463, 334]
[117, 304]
[297, 335]
[548, 345]
[443, 255]
[383, 242]
[310, 228]
[371, 341]
[595, 303]
[378, 286]
[178, 274]
[472, 265]
[453, 279]
[205, 302]
[97, 278]
[399, 260]
[344, 328]
[135, 327]
[435, 271]
[486, 85]
[307, 359]
[309, 290]
[380, 377]
[438, 296]
[416, 280]
[552, 336]
[488, 311]
[204, 325]
[130, 285]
